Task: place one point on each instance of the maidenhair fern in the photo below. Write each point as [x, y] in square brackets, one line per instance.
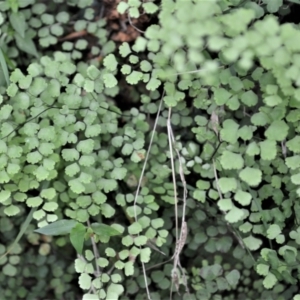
[77, 114]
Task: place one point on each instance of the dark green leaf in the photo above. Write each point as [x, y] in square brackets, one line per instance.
[23, 229]
[211, 272]
[233, 277]
[273, 259]
[26, 44]
[14, 5]
[57, 228]
[17, 21]
[104, 230]
[4, 68]
[77, 237]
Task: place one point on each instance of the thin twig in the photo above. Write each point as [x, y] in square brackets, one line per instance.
[173, 171]
[283, 147]
[183, 235]
[95, 250]
[130, 22]
[140, 184]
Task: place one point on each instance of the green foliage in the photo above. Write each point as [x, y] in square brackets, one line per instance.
[58, 228]
[229, 72]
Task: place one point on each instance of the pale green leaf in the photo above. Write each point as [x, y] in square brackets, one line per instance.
[118, 173]
[124, 49]
[227, 184]
[145, 66]
[11, 210]
[86, 146]
[274, 5]
[295, 178]
[273, 100]
[110, 62]
[134, 12]
[157, 223]
[245, 133]
[127, 149]
[122, 6]
[128, 268]
[102, 262]
[12, 90]
[277, 131]
[249, 98]
[225, 204]
[246, 227]
[70, 154]
[221, 96]
[34, 201]
[230, 160]
[86, 160]
[140, 240]
[153, 84]
[126, 69]
[262, 269]
[252, 243]
[134, 77]
[236, 83]
[269, 281]
[229, 132]
[5, 111]
[109, 80]
[90, 297]
[107, 210]
[251, 176]
[110, 252]
[294, 144]
[114, 291]
[242, 197]
[233, 103]
[50, 206]
[85, 281]
[34, 157]
[150, 7]
[76, 186]
[234, 215]
[273, 231]
[280, 239]
[268, 149]
[9, 270]
[93, 72]
[127, 240]
[293, 162]
[252, 149]
[4, 195]
[39, 214]
[260, 119]
[145, 255]
[89, 85]
[72, 169]
[135, 228]
[115, 278]
[93, 130]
